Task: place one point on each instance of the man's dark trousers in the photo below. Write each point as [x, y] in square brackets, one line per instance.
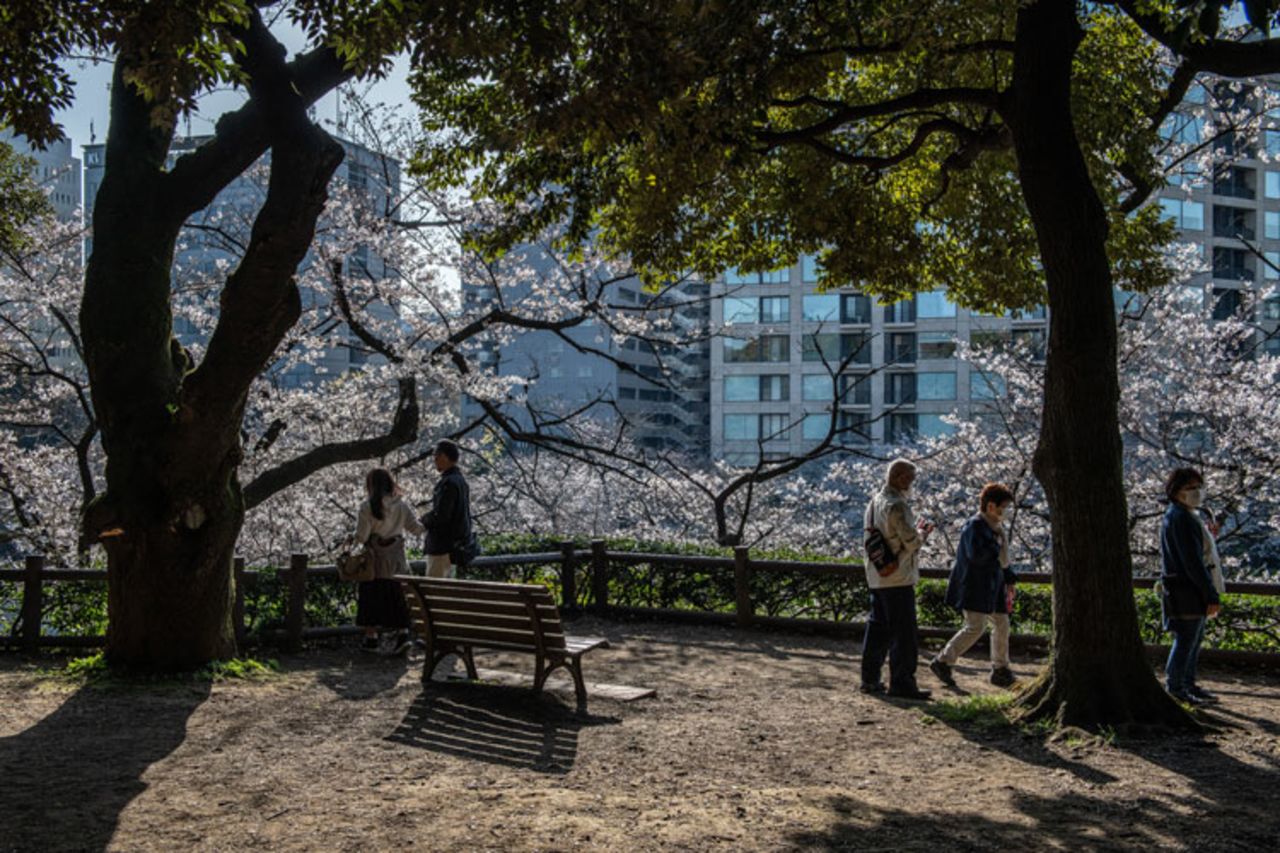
[892, 630]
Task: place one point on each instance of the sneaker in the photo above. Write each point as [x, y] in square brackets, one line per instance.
[1201, 695]
[1002, 677]
[1185, 698]
[913, 693]
[872, 687]
[942, 669]
[399, 644]
[369, 644]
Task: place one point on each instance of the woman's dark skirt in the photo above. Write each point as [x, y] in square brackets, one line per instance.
[380, 604]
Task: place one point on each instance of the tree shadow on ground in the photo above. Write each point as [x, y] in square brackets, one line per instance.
[508, 726]
[1069, 821]
[65, 780]
[1223, 803]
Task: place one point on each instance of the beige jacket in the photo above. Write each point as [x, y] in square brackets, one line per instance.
[890, 514]
[388, 532]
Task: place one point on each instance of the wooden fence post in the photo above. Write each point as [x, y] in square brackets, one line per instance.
[237, 607]
[599, 575]
[32, 602]
[742, 585]
[297, 601]
[568, 577]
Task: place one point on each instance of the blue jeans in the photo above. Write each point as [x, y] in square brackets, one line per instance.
[1180, 669]
[891, 630]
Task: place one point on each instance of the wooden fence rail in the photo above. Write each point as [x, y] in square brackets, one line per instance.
[598, 560]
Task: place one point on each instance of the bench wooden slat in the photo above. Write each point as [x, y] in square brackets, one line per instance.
[495, 620]
[511, 608]
[478, 635]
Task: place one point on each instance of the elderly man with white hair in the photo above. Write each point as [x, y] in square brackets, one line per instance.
[891, 628]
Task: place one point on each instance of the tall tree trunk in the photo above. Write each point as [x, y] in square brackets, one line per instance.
[1098, 672]
[173, 508]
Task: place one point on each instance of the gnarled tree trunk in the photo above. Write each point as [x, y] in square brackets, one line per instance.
[1098, 672]
[173, 507]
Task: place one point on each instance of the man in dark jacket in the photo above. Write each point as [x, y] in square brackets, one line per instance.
[979, 587]
[448, 522]
[1188, 595]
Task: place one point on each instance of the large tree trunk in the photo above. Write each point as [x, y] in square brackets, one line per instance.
[173, 508]
[1098, 672]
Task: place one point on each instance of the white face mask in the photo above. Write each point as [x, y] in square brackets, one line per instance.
[1193, 497]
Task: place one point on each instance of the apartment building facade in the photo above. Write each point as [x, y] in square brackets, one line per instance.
[774, 375]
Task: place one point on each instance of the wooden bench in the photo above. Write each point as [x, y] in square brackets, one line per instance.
[456, 616]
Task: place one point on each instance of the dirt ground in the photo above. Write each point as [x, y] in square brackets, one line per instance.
[755, 741]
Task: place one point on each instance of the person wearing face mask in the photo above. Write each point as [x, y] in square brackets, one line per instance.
[1188, 594]
[891, 627]
[978, 587]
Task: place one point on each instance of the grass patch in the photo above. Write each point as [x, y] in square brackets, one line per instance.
[94, 669]
[987, 711]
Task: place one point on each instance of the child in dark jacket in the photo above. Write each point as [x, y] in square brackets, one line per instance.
[979, 587]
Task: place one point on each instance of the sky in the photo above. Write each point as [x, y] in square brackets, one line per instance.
[87, 118]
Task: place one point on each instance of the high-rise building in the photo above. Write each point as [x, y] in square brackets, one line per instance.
[657, 389]
[772, 368]
[1229, 206]
[55, 170]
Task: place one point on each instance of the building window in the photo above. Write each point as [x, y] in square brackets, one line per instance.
[1034, 342]
[555, 373]
[775, 388]
[584, 371]
[934, 305]
[854, 427]
[1269, 269]
[1226, 303]
[733, 276]
[985, 386]
[1271, 308]
[808, 268]
[988, 340]
[816, 386]
[935, 345]
[857, 345]
[900, 348]
[1184, 213]
[855, 308]
[775, 309]
[822, 348]
[935, 386]
[1271, 225]
[782, 276]
[899, 388]
[741, 389]
[901, 312]
[900, 427]
[626, 393]
[930, 426]
[816, 426]
[771, 348]
[855, 389]
[741, 427]
[1271, 141]
[821, 307]
[1271, 346]
[1271, 185]
[738, 310]
[774, 427]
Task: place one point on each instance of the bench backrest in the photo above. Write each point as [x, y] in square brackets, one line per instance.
[516, 616]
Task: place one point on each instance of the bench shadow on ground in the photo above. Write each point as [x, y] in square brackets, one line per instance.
[508, 726]
[67, 778]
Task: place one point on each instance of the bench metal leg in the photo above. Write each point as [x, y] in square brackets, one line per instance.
[470, 663]
[579, 686]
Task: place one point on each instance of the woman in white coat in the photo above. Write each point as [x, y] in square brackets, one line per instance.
[380, 607]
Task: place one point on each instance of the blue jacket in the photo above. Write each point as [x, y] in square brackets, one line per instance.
[977, 580]
[1187, 580]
